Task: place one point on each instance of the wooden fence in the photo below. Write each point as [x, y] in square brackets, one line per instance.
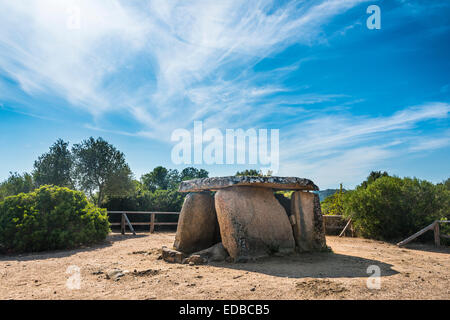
[337, 225]
[329, 222]
[437, 235]
[152, 223]
[333, 223]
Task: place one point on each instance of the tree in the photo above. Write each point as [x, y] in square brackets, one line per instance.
[157, 179]
[55, 167]
[251, 172]
[100, 167]
[193, 173]
[444, 198]
[373, 176]
[16, 184]
[174, 179]
[167, 179]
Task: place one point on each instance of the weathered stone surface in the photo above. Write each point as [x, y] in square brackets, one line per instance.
[172, 256]
[115, 274]
[309, 231]
[194, 259]
[252, 223]
[285, 202]
[197, 224]
[216, 253]
[282, 183]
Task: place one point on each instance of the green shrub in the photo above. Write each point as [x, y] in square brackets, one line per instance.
[394, 208]
[50, 218]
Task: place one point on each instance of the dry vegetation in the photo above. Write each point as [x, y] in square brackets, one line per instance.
[416, 272]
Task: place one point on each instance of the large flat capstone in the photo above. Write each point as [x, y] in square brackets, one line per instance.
[218, 183]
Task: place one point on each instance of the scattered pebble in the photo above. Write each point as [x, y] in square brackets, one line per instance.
[115, 274]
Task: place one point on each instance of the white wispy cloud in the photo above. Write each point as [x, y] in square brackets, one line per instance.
[193, 48]
[44, 56]
[431, 143]
[167, 63]
[337, 148]
[327, 132]
[348, 166]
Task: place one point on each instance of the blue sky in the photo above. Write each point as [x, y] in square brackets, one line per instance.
[346, 99]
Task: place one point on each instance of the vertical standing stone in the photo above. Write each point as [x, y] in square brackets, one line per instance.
[197, 224]
[252, 222]
[309, 231]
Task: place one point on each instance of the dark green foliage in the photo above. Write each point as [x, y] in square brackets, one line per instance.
[394, 208]
[251, 172]
[159, 200]
[163, 179]
[443, 195]
[101, 168]
[254, 173]
[16, 184]
[55, 167]
[373, 176]
[50, 218]
[157, 191]
[193, 173]
[160, 178]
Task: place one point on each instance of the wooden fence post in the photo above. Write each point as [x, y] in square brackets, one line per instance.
[345, 228]
[124, 220]
[129, 223]
[437, 239]
[152, 223]
[122, 224]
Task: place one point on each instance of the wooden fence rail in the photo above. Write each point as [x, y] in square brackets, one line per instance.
[337, 225]
[437, 236]
[126, 221]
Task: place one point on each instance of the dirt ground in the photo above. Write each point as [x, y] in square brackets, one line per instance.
[415, 272]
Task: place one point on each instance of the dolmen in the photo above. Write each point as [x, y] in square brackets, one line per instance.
[242, 218]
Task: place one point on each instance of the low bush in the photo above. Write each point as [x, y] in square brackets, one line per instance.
[392, 208]
[50, 218]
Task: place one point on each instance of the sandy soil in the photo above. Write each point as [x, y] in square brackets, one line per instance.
[416, 272]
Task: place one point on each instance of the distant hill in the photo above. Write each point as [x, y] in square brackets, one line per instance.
[326, 193]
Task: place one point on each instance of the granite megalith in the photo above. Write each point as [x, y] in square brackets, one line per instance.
[247, 219]
[309, 230]
[197, 224]
[252, 223]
